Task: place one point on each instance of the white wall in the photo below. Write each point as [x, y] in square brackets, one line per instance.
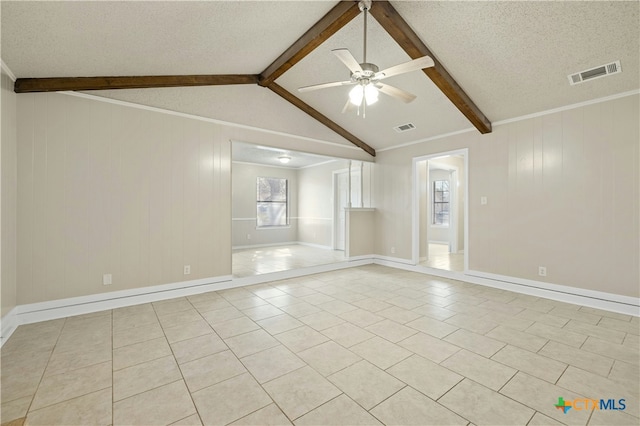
[8, 200]
[132, 192]
[562, 189]
[106, 188]
[360, 232]
[244, 231]
[316, 202]
[110, 187]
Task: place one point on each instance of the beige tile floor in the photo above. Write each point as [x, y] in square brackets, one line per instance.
[365, 345]
[440, 258]
[263, 260]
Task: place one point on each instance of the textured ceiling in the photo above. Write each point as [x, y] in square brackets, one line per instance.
[512, 58]
[95, 38]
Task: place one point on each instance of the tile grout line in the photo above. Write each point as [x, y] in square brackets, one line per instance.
[321, 405]
[246, 372]
[45, 369]
[437, 401]
[178, 364]
[176, 361]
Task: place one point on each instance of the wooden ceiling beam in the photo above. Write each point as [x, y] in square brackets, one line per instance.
[401, 32]
[56, 84]
[282, 92]
[327, 26]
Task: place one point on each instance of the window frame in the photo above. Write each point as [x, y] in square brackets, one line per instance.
[285, 203]
[434, 203]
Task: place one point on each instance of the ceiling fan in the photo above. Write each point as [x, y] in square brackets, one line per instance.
[366, 76]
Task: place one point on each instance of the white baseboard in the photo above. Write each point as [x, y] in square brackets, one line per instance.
[287, 243]
[578, 296]
[391, 260]
[8, 325]
[319, 246]
[300, 272]
[44, 311]
[367, 257]
[408, 266]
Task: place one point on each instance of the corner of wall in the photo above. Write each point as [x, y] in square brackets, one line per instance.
[8, 200]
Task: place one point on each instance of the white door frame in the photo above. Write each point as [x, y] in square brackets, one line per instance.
[336, 206]
[415, 258]
[453, 215]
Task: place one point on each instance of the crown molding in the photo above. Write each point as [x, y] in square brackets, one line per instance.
[520, 118]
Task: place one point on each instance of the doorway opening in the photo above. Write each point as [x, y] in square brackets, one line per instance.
[348, 191]
[288, 224]
[440, 214]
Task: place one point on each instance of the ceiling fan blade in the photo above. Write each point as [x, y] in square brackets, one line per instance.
[324, 86]
[416, 64]
[347, 58]
[394, 92]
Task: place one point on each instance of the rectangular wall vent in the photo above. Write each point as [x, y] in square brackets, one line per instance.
[593, 73]
[404, 127]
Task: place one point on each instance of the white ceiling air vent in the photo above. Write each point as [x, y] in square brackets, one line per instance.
[404, 127]
[593, 73]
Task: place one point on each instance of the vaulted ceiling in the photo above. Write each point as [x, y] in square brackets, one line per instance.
[509, 58]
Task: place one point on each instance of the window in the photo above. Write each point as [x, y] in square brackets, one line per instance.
[272, 202]
[441, 202]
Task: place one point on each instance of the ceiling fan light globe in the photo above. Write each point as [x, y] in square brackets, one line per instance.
[356, 94]
[371, 94]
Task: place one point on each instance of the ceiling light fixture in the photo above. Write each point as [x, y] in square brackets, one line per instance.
[367, 76]
[368, 91]
[284, 159]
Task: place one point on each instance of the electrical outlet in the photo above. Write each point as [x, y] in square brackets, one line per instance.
[187, 269]
[483, 201]
[106, 279]
[248, 236]
[542, 271]
[393, 250]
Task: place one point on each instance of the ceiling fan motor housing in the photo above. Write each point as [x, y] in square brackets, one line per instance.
[368, 71]
[364, 5]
